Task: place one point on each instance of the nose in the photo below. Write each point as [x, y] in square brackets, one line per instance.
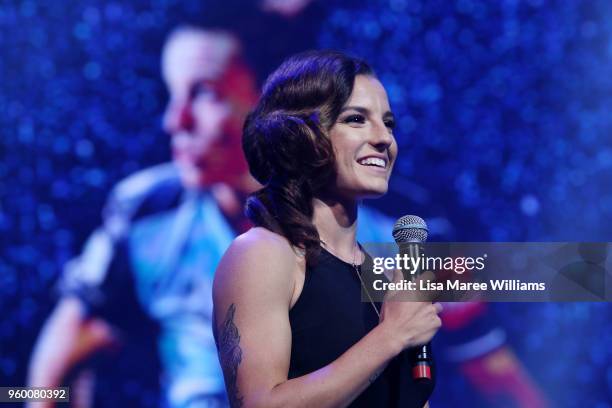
[382, 137]
[178, 117]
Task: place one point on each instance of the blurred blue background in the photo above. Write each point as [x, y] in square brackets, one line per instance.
[503, 123]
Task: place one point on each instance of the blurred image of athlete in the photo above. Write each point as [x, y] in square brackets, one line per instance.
[146, 273]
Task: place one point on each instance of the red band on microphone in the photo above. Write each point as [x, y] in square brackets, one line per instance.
[421, 371]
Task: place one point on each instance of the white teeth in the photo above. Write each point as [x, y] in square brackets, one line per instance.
[373, 161]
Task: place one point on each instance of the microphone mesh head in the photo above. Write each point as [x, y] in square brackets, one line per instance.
[410, 228]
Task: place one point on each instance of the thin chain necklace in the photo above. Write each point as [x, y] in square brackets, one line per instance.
[363, 286]
[358, 273]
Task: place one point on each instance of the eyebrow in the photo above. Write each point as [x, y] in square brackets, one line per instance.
[366, 111]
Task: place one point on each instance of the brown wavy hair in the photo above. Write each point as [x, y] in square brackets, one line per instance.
[287, 146]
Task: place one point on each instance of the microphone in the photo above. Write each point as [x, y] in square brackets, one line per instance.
[409, 233]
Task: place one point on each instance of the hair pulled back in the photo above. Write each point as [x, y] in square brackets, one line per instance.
[287, 146]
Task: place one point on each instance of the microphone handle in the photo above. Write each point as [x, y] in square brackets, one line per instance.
[421, 357]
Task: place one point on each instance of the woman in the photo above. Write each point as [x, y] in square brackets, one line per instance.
[291, 329]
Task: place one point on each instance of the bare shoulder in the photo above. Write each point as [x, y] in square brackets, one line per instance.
[262, 239]
[258, 260]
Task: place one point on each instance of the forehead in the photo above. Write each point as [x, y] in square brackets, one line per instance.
[369, 92]
[191, 55]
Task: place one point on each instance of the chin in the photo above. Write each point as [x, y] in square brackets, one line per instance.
[192, 178]
[373, 194]
[362, 189]
[374, 191]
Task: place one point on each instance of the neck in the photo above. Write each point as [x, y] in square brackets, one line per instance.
[244, 184]
[336, 222]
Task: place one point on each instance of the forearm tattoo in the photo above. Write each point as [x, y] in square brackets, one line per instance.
[230, 355]
[374, 377]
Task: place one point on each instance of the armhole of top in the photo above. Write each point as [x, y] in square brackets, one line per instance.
[300, 278]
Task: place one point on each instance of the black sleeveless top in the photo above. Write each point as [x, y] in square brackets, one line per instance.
[329, 317]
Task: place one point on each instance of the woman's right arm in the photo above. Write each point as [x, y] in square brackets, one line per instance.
[252, 296]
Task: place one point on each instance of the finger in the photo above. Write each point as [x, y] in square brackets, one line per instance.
[426, 291]
[438, 307]
[427, 275]
[396, 278]
[397, 275]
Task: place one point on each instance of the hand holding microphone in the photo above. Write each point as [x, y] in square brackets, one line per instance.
[415, 322]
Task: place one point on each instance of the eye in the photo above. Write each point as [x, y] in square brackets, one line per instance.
[356, 118]
[390, 123]
[201, 89]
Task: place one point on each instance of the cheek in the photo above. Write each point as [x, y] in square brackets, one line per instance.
[342, 153]
[394, 150]
[211, 117]
[347, 167]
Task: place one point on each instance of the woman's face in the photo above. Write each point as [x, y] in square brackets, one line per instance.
[363, 141]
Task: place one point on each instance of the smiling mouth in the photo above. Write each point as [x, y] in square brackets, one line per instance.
[373, 162]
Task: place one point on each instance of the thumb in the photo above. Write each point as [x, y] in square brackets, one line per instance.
[398, 275]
